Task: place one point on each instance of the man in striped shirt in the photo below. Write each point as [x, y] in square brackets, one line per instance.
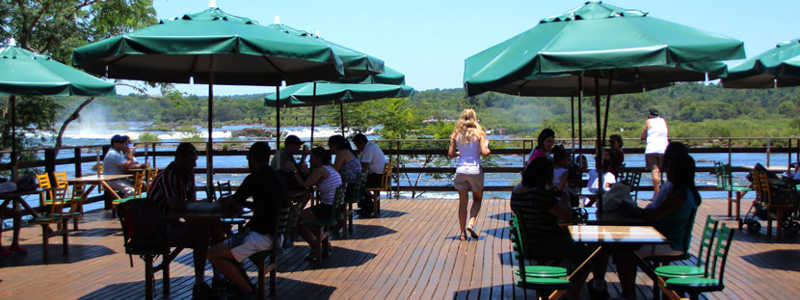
[172, 189]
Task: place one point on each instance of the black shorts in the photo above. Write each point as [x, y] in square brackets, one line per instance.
[654, 160]
[322, 211]
[374, 180]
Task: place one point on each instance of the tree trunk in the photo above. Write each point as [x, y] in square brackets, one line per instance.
[72, 117]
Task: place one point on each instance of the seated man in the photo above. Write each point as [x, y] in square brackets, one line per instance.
[172, 189]
[535, 204]
[372, 160]
[269, 196]
[119, 159]
[283, 162]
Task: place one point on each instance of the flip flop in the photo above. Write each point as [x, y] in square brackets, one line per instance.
[472, 232]
[463, 237]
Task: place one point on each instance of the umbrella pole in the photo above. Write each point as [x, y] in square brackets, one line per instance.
[313, 112]
[572, 121]
[278, 117]
[12, 103]
[598, 159]
[608, 104]
[580, 114]
[341, 116]
[210, 144]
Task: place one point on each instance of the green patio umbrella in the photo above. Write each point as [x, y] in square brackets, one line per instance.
[619, 50]
[211, 47]
[23, 72]
[777, 67]
[324, 92]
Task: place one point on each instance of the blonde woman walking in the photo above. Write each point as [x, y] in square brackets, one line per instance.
[468, 142]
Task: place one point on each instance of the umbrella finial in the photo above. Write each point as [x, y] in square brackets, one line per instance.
[212, 4]
[12, 42]
[277, 20]
[316, 32]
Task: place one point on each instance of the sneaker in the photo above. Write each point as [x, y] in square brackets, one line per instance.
[5, 251]
[18, 249]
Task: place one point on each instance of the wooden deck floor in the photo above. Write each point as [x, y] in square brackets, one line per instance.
[411, 252]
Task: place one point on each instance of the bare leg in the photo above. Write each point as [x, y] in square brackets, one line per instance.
[222, 260]
[463, 200]
[477, 197]
[656, 180]
[306, 232]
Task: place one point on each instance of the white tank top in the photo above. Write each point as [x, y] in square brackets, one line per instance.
[657, 136]
[469, 160]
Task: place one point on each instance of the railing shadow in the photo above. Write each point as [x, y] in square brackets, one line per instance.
[385, 213]
[97, 232]
[181, 287]
[77, 253]
[364, 231]
[784, 259]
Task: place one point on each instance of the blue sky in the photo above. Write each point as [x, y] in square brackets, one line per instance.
[428, 40]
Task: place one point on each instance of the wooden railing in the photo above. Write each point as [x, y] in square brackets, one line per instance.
[397, 150]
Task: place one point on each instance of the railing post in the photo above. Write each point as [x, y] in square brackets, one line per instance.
[154, 155]
[789, 154]
[50, 163]
[730, 150]
[769, 144]
[78, 162]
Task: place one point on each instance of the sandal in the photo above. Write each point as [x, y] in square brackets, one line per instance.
[463, 237]
[472, 232]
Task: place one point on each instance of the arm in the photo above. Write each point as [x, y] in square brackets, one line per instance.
[673, 202]
[339, 161]
[563, 184]
[484, 145]
[644, 130]
[451, 151]
[317, 175]
[560, 212]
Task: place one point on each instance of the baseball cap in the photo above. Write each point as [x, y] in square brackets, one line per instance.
[653, 112]
[118, 139]
[293, 140]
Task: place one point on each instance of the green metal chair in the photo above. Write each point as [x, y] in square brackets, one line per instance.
[260, 258]
[543, 279]
[701, 267]
[694, 286]
[725, 183]
[355, 194]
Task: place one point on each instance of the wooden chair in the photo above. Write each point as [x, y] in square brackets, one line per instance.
[75, 199]
[138, 185]
[386, 182]
[543, 279]
[725, 183]
[149, 177]
[772, 202]
[53, 200]
[260, 258]
[325, 226]
[147, 249]
[710, 282]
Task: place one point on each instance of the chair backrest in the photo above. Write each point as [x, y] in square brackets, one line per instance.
[44, 184]
[338, 198]
[224, 188]
[283, 221]
[517, 243]
[61, 179]
[356, 189]
[707, 242]
[149, 177]
[724, 240]
[761, 186]
[138, 183]
[387, 175]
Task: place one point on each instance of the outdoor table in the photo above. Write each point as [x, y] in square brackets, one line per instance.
[102, 180]
[613, 236]
[16, 199]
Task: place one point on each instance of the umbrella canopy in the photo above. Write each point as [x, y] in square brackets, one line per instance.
[389, 76]
[211, 47]
[645, 52]
[23, 72]
[355, 63]
[243, 52]
[303, 94]
[777, 67]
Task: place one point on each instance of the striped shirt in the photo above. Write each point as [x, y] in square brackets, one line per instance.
[327, 188]
[172, 188]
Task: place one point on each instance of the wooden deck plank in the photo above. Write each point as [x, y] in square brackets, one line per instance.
[411, 252]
